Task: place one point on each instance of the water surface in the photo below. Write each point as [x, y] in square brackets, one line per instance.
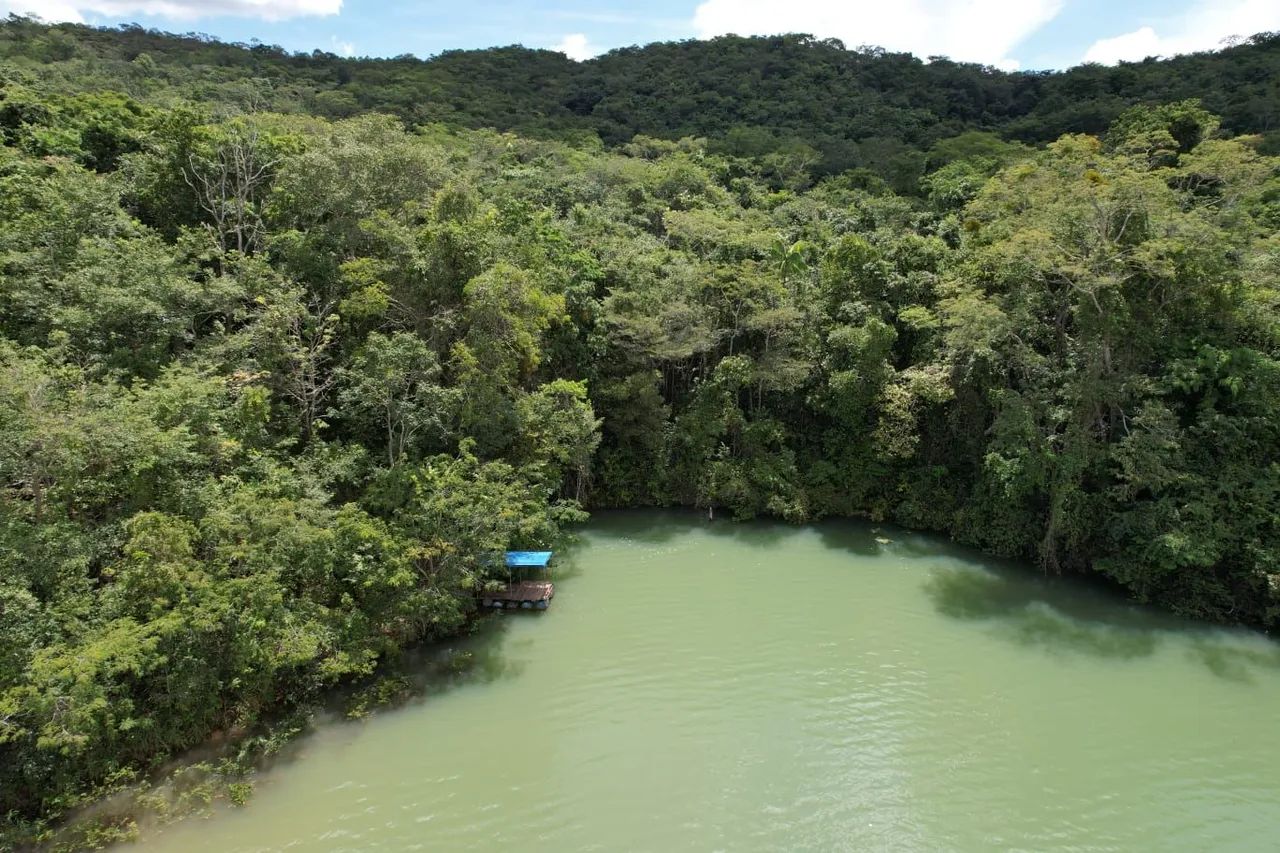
[757, 687]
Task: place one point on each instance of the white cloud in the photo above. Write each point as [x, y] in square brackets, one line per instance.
[345, 48]
[49, 10]
[75, 10]
[1204, 27]
[966, 30]
[576, 47]
[1138, 44]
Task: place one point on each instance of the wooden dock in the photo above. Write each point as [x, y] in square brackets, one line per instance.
[526, 595]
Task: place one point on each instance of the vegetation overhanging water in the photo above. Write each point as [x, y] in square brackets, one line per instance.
[840, 686]
[293, 347]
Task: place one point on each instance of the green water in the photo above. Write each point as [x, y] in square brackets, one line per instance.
[722, 687]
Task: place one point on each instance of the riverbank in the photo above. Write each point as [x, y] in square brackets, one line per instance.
[893, 691]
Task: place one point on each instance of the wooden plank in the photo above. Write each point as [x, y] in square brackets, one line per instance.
[523, 591]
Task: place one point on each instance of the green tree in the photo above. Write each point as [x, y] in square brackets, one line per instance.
[394, 380]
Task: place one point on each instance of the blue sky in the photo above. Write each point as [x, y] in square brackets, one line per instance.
[1030, 34]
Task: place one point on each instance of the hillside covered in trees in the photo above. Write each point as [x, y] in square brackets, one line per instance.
[795, 98]
[278, 383]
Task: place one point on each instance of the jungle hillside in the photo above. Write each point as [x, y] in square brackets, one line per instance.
[293, 347]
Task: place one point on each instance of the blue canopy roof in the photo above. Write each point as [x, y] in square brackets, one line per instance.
[528, 559]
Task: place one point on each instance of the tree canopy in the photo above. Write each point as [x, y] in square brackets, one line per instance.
[278, 385]
[801, 102]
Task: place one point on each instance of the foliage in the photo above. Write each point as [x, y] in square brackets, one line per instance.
[254, 443]
[790, 106]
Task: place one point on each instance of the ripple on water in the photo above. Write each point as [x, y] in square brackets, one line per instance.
[773, 688]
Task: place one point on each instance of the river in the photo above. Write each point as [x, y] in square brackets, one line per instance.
[702, 686]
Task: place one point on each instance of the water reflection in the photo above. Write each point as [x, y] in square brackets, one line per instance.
[661, 527]
[1056, 615]
[856, 537]
[480, 658]
[646, 527]
[1233, 662]
[1068, 617]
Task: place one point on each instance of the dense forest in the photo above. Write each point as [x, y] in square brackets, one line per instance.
[291, 348]
[792, 98]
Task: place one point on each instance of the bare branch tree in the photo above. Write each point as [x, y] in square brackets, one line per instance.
[229, 184]
[309, 379]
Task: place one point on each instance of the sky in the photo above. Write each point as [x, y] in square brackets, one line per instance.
[1011, 34]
